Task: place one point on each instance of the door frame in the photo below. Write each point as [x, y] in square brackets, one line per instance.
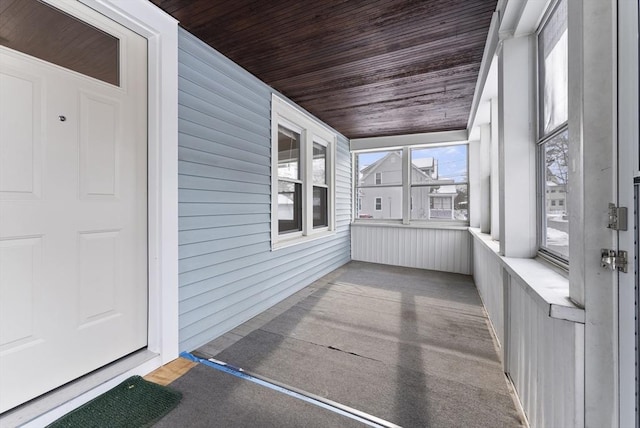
[628, 133]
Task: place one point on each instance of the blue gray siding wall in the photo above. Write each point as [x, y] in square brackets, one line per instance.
[228, 273]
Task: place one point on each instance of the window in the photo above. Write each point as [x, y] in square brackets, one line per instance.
[370, 190]
[553, 135]
[289, 182]
[303, 152]
[439, 183]
[434, 181]
[320, 187]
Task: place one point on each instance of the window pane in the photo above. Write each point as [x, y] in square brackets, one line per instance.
[289, 207]
[383, 203]
[320, 218]
[556, 221]
[379, 190]
[448, 202]
[553, 64]
[439, 165]
[44, 32]
[288, 154]
[461, 203]
[319, 164]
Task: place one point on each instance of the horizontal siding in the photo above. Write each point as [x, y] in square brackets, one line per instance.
[446, 250]
[227, 271]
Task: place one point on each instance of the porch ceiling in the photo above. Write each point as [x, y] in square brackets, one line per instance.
[367, 68]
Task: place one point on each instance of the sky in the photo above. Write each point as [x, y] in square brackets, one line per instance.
[452, 160]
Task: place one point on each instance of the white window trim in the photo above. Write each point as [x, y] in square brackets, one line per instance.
[291, 117]
[375, 203]
[406, 188]
[542, 139]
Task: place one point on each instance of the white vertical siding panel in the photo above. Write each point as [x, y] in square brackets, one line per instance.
[544, 353]
[445, 250]
[542, 362]
[487, 273]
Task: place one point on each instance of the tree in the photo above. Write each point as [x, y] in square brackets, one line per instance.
[556, 153]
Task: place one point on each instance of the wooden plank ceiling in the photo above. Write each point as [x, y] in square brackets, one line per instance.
[366, 67]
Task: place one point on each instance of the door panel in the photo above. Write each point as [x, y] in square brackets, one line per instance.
[20, 282]
[73, 207]
[100, 132]
[20, 129]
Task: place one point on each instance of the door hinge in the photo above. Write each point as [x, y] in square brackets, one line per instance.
[617, 217]
[614, 260]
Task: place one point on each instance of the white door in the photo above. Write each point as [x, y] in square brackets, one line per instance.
[73, 210]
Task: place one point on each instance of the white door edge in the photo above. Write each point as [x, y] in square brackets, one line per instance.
[628, 133]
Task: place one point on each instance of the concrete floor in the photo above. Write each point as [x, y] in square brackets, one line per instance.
[409, 346]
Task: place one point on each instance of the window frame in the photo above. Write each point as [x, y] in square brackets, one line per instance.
[375, 203]
[406, 186]
[311, 132]
[542, 139]
[299, 181]
[465, 183]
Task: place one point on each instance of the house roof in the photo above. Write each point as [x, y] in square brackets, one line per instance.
[423, 162]
[447, 190]
[369, 169]
[366, 68]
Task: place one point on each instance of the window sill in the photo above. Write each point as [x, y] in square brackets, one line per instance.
[285, 242]
[548, 287]
[412, 225]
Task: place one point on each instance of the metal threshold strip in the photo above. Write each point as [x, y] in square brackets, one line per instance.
[308, 397]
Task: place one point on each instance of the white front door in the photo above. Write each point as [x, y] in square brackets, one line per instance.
[73, 216]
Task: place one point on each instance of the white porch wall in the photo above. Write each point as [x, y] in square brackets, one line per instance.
[540, 333]
[447, 250]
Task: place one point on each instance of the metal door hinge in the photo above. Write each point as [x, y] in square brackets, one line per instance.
[614, 260]
[617, 217]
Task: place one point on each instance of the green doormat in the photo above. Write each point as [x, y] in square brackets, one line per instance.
[133, 403]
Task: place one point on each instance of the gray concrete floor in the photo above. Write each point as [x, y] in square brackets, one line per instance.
[410, 346]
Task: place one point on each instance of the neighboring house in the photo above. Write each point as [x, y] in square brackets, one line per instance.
[556, 197]
[380, 190]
